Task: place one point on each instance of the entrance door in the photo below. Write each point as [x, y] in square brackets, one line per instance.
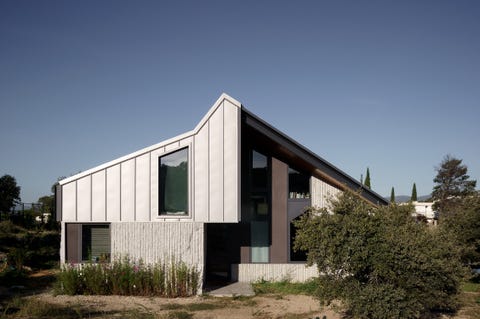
[223, 250]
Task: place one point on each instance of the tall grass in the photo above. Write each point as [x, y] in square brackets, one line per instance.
[126, 277]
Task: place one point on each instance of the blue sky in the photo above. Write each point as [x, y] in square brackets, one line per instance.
[392, 85]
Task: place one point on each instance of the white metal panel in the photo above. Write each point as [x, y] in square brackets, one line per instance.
[69, 202]
[113, 193]
[216, 165]
[231, 161]
[142, 188]
[98, 196]
[186, 141]
[154, 155]
[84, 199]
[127, 190]
[201, 175]
[172, 147]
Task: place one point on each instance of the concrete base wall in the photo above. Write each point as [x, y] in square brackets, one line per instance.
[273, 272]
[153, 242]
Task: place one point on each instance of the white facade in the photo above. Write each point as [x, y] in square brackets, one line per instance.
[126, 190]
[424, 209]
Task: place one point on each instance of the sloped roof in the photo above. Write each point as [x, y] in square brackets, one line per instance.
[145, 150]
[323, 168]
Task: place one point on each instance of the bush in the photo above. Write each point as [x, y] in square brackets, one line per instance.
[379, 261]
[125, 277]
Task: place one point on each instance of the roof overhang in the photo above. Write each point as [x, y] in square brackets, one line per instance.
[315, 164]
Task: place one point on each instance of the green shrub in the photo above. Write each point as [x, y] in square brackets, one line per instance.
[286, 287]
[126, 277]
[379, 261]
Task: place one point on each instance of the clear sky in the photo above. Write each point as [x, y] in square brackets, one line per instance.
[389, 85]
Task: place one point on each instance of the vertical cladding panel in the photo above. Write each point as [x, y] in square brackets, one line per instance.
[69, 202]
[98, 196]
[216, 166]
[113, 193]
[201, 175]
[279, 244]
[128, 190]
[142, 188]
[154, 155]
[84, 199]
[321, 192]
[231, 162]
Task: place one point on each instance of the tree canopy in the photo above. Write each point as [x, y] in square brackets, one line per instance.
[9, 193]
[451, 185]
[379, 261]
[392, 196]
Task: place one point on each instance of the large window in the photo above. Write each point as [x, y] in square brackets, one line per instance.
[260, 219]
[173, 183]
[87, 242]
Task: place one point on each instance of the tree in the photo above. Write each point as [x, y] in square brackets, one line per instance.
[464, 228]
[452, 184]
[9, 193]
[378, 261]
[392, 196]
[413, 198]
[367, 179]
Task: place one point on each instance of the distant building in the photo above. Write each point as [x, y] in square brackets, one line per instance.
[425, 209]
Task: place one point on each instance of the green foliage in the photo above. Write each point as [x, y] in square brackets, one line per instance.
[367, 179]
[285, 287]
[463, 228]
[392, 196]
[379, 261]
[451, 185]
[9, 193]
[125, 277]
[413, 198]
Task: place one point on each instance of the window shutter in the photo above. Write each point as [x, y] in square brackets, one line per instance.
[100, 241]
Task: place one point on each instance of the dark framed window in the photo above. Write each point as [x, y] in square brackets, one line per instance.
[96, 243]
[298, 184]
[173, 183]
[259, 198]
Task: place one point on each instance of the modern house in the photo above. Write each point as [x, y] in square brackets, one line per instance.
[222, 197]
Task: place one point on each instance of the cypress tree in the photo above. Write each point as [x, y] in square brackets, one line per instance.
[367, 179]
[414, 193]
[392, 196]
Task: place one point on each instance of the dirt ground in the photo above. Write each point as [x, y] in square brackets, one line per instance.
[290, 306]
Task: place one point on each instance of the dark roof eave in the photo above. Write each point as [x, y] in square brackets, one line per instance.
[293, 146]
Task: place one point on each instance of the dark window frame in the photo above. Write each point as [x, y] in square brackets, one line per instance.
[162, 211]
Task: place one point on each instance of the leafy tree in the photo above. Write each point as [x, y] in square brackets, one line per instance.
[367, 179]
[451, 185]
[413, 198]
[9, 193]
[464, 227]
[379, 261]
[392, 196]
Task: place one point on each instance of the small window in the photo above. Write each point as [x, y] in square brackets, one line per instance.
[298, 184]
[173, 183]
[96, 243]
